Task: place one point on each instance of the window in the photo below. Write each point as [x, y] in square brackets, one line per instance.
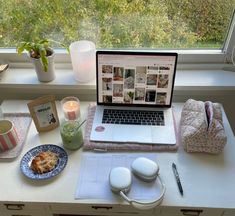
[140, 24]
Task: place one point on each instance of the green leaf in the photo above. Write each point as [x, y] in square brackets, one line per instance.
[23, 46]
[44, 59]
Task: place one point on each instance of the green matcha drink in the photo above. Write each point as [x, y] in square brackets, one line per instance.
[71, 134]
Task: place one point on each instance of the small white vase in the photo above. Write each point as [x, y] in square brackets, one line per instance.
[43, 76]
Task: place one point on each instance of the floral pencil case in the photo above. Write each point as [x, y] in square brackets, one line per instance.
[201, 127]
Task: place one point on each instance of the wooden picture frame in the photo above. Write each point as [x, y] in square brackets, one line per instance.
[44, 113]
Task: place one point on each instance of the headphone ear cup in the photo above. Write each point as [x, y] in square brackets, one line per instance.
[145, 169]
[120, 179]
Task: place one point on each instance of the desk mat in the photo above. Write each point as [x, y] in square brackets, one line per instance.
[22, 122]
[105, 146]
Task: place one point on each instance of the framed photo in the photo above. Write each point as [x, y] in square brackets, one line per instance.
[44, 113]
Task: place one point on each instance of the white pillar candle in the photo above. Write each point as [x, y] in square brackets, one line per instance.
[83, 60]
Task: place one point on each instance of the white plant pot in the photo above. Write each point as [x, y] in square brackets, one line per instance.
[43, 76]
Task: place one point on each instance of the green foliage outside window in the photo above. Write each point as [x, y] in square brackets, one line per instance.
[117, 23]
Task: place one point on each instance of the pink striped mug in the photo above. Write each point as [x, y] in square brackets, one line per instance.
[8, 135]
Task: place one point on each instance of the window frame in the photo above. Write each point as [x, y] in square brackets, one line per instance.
[186, 56]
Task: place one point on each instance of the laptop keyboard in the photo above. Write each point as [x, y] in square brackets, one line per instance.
[136, 117]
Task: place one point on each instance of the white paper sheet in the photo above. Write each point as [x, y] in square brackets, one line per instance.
[94, 173]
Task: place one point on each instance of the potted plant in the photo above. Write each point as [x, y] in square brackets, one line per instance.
[42, 56]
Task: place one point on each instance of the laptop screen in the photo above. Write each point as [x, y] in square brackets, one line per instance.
[135, 78]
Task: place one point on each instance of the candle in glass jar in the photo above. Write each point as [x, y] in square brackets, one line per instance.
[71, 110]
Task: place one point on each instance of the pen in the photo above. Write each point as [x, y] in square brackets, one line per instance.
[177, 178]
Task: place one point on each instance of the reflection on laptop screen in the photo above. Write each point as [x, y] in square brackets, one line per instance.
[135, 78]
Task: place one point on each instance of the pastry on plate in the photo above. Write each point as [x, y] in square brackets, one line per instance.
[44, 162]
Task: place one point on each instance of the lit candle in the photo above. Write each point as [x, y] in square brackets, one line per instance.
[71, 109]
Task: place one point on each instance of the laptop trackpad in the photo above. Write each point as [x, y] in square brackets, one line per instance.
[135, 134]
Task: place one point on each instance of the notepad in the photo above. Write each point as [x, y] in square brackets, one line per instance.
[94, 172]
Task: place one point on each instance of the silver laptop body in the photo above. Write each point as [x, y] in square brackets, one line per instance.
[134, 96]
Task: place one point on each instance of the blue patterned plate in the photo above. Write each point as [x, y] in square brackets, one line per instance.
[28, 157]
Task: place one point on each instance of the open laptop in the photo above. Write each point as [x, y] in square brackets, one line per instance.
[134, 96]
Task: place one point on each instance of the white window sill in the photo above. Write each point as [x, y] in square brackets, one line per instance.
[27, 78]
[203, 78]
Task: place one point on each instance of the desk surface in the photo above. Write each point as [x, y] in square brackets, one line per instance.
[208, 180]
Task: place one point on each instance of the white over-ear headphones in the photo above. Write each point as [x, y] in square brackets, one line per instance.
[143, 168]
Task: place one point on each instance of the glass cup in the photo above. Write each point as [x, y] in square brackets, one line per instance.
[71, 108]
[71, 134]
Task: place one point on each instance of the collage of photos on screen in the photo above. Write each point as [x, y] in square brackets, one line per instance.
[146, 85]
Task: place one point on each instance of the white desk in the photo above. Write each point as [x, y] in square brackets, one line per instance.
[208, 181]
